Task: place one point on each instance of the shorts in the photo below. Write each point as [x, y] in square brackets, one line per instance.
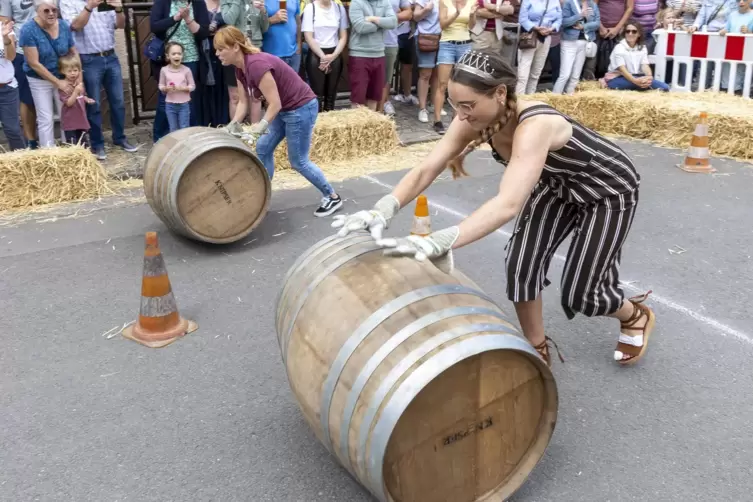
[390, 56]
[366, 79]
[229, 73]
[406, 53]
[24, 92]
[451, 52]
[425, 60]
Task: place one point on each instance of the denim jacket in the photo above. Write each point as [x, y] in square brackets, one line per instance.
[571, 16]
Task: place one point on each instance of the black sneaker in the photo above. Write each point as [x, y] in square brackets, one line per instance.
[328, 206]
[439, 128]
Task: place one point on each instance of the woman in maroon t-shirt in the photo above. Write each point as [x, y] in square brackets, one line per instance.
[291, 113]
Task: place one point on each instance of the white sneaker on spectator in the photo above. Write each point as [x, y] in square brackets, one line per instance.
[423, 116]
[408, 100]
[443, 113]
[389, 109]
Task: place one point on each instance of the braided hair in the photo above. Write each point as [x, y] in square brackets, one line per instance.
[484, 72]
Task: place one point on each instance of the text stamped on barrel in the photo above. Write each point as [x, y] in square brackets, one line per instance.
[224, 193]
[478, 426]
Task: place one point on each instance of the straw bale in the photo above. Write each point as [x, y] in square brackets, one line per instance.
[50, 175]
[344, 135]
[665, 118]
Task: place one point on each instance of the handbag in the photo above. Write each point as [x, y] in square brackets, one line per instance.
[154, 49]
[428, 43]
[529, 39]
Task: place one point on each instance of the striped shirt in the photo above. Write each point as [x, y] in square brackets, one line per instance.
[589, 168]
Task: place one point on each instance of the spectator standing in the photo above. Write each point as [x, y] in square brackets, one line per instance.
[233, 13]
[539, 19]
[325, 28]
[644, 12]
[428, 33]
[9, 89]
[406, 54]
[215, 100]
[404, 12]
[73, 116]
[614, 14]
[366, 61]
[455, 17]
[291, 112]
[580, 20]
[185, 22]
[94, 36]
[176, 82]
[283, 38]
[257, 25]
[19, 12]
[46, 39]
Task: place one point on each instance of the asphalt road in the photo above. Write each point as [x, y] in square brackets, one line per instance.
[211, 417]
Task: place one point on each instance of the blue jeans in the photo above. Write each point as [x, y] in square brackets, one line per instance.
[298, 127]
[293, 61]
[9, 117]
[161, 126]
[178, 115]
[622, 84]
[450, 53]
[104, 72]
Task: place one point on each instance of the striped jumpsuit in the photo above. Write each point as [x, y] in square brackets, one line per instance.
[590, 186]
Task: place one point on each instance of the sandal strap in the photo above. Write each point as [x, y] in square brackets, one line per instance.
[639, 310]
[543, 349]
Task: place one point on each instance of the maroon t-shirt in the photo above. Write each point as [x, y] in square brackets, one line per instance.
[73, 118]
[293, 91]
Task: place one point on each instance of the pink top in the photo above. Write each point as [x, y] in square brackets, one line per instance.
[73, 118]
[176, 77]
[293, 91]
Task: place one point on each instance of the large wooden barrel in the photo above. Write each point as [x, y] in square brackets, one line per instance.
[206, 185]
[414, 379]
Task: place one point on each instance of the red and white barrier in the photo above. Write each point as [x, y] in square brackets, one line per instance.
[685, 48]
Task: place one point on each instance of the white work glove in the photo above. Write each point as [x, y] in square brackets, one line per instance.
[437, 247]
[375, 220]
[256, 130]
[234, 128]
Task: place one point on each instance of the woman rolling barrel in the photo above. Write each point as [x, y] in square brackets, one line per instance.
[291, 113]
[560, 176]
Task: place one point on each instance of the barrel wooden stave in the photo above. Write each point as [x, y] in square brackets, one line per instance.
[206, 185]
[343, 384]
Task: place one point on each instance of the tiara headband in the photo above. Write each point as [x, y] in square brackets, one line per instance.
[476, 63]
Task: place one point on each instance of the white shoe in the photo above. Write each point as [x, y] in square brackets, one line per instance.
[389, 109]
[423, 116]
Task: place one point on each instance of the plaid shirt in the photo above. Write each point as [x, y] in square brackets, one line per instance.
[99, 33]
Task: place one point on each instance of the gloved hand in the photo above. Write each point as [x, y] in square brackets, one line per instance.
[375, 220]
[255, 131]
[437, 247]
[234, 128]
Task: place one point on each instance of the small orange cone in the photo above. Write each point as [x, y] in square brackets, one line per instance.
[421, 220]
[697, 159]
[159, 323]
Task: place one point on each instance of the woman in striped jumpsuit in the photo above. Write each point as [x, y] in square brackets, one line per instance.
[560, 178]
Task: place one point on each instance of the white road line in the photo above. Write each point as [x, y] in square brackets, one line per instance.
[719, 327]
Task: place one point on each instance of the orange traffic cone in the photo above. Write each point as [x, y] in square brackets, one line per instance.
[159, 323]
[421, 220]
[697, 159]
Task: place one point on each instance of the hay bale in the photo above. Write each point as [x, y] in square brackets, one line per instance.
[665, 118]
[345, 134]
[49, 175]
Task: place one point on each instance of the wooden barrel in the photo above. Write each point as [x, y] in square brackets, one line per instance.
[206, 185]
[414, 379]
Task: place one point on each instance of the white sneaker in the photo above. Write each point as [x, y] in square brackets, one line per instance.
[409, 100]
[423, 116]
[443, 113]
[389, 109]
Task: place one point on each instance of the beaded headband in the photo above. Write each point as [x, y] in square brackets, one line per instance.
[477, 63]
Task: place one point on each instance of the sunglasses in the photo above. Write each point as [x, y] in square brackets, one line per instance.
[49, 11]
[632, 32]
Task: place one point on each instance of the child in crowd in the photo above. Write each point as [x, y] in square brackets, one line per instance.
[73, 119]
[176, 81]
